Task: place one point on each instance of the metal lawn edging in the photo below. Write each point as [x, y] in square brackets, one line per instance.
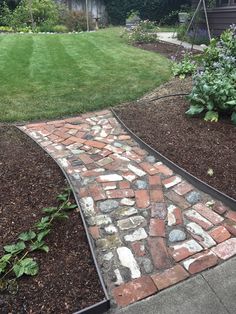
[199, 184]
[104, 305]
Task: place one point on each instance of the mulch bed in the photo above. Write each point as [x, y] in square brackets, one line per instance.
[67, 279]
[166, 49]
[191, 143]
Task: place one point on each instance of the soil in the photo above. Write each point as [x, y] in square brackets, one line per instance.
[67, 279]
[192, 143]
[166, 49]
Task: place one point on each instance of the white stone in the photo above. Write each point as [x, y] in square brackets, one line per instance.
[127, 260]
[64, 163]
[111, 229]
[127, 202]
[172, 183]
[136, 170]
[119, 279]
[110, 178]
[102, 220]
[129, 177]
[137, 235]
[117, 156]
[87, 206]
[131, 223]
[195, 229]
[108, 256]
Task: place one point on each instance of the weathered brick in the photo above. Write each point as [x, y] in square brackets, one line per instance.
[219, 208]
[202, 236]
[156, 195]
[154, 180]
[225, 249]
[185, 249]
[109, 178]
[142, 198]
[159, 253]
[157, 228]
[220, 234]
[230, 226]
[109, 186]
[158, 210]
[208, 213]
[120, 193]
[95, 144]
[149, 168]
[138, 248]
[174, 216]
[200, 262]
[169, 182]
[183, 188]
[133, 291]
[163, 169]
[177, 200]
[199, 219]
[231, 215]
[85, 158]
[96, 192]
[124, 185]
[94, 231]
[170, 277]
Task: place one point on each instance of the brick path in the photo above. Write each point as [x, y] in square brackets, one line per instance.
[151, 228]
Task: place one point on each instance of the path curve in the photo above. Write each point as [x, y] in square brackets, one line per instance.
[151, 228]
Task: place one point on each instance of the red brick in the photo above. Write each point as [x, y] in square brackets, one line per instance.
[156, 195]
[231, 215]
[149, 168]
[92, 173]
[120, 193]
[124, 185]
[183, 188]
[83, 191]
[132, 156]
[219, 208]
[185, 249]
[159, 253]
[123, 137]
[163, 169]
[85, 158]
[133, 291]
[200, 262]
[138, 248]
[61, 134]
[77, 139]
[95, 144]
[158, 210]
[142, 198]
[225, 249]
[154, 180]
[157, 228]
[170, 277]
[208, 213]
[230, 226]
[67, 142]
[139, 151]
[194, 216]
[220, 234]
[105, 153]
[109, 186]
[174, 216]
[177, 200]
[96, 192]
[170, 182]
[94, 231]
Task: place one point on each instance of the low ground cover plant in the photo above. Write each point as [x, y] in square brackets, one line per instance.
[185, 67]
[214, 84]
[17, 260]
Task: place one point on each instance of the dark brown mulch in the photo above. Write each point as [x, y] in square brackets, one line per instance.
[30, 180]
[191, 143]
[166, 49]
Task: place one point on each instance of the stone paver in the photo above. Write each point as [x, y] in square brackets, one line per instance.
[151, 228]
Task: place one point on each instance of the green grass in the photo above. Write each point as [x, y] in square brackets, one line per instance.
[50, 76]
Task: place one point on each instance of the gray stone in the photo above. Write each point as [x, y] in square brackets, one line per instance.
[108, 256]
[147, 264]
[127, 212]
[102, 220]
[109, 242]
[151, 159]
[111, 229]
[131, 223]
[127, 202]
[87, 206]
[177, 235]
[193, 197]
[108, 206]
[117, 144]
[141, 184]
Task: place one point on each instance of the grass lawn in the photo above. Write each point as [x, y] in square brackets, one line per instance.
[50, 76]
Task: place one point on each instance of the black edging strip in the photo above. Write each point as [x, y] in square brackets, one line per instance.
[104, 305]
[230, 202]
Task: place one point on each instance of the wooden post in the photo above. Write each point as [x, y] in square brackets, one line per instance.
[87, 15]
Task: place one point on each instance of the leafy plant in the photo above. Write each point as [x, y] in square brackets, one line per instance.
[144, 32]
[16, 261]
[185, 67]
[214, 89]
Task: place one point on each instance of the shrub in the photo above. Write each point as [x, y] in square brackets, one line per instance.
[186, 67]
[141, 33]
[60, 29]
[5, 15]
[214, 90]
[6, 29]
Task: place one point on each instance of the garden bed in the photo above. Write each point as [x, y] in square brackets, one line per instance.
[191, 143]
[166, 49]
[30, 180]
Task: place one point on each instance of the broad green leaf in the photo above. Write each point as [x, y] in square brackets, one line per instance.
[211, 116]
[44, 223]
[233, 117]
[42, 234]
[15, 248]
[4, 262]
[36, 245]
[60, 215]
[26, 266]
[62, 197]
[44, 248]
[69, 206]
[193, 110]
[27, 236]
[49, 210]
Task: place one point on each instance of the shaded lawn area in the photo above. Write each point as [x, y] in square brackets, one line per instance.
[49, 76]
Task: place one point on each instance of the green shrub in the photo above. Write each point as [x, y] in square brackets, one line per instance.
[6, 29]
[77, 21]
[60, 29]
[186, 67]
[144, 32]
[5, 15]
[214, 90]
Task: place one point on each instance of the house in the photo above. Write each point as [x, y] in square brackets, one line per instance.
[221, 16]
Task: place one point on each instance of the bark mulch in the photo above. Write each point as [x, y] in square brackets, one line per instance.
[67, 279]
[192, 143]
